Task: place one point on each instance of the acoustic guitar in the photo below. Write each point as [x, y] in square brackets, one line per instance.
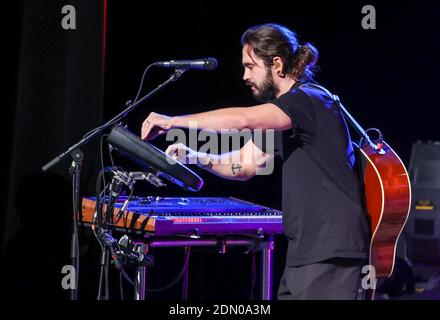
[387, 193]
[387, 202]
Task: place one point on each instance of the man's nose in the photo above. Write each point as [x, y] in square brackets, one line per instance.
[246, 76]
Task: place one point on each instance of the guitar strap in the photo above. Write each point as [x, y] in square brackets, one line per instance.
[347, 116]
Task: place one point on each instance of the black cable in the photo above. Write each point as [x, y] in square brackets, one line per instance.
[145, 222]
[98, 234]
[75, 231]
[110, 155]
[100, 200]
[101, 195]
[127, 277]
[125, 211]
[177, 278]
[98, 208]
[129, 102]
[123, 273]
[100, 280]
[102, 157]
[142, 81]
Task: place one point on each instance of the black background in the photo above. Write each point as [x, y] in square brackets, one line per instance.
[55, 90]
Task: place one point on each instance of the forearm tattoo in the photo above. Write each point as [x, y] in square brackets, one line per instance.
[236, 166]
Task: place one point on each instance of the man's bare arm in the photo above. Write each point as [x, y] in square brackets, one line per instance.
[241, 164]
[264, 116]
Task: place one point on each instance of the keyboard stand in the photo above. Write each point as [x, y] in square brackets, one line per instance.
[266, 245]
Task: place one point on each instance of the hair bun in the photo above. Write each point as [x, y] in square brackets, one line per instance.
[305, 61]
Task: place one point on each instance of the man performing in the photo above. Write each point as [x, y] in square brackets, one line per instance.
[323, 215]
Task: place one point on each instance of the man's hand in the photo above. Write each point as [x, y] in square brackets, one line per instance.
[186, 155]
[182, 153]
[155, 125]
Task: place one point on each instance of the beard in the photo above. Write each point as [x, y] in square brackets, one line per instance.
[265, 91]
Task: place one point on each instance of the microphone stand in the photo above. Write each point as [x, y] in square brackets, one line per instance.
[75, 170]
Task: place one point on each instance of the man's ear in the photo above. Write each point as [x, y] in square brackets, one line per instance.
[278, 66]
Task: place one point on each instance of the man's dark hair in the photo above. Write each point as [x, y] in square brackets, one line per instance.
[271, 40]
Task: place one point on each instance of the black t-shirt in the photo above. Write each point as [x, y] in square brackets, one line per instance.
[323, 216]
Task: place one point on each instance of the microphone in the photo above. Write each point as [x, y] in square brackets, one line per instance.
[202, 64]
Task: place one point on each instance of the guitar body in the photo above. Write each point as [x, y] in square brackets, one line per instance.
[387, 193]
